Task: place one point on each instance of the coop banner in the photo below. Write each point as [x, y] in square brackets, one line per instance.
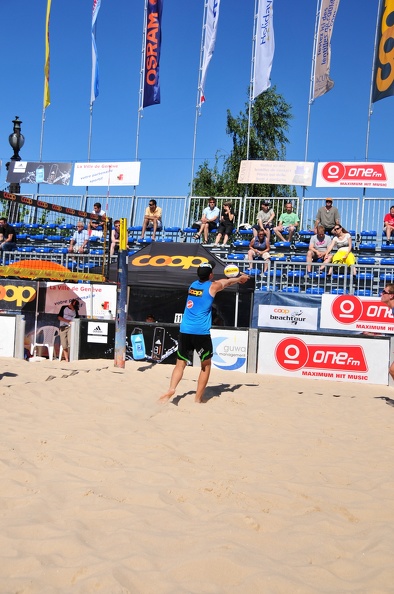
[17, 295]
[31, 172]
[285, 316]
[331, 358]
[349, 312]
[276, 172]
[107, 174]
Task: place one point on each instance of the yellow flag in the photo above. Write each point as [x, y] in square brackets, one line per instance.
[47, 99]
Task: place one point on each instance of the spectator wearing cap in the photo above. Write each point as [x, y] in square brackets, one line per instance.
[265, 218]
[328, 216]
[196, 325]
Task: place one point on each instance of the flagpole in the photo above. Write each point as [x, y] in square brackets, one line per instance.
[199, 94]
[251, 85]
[370, 109]
[312, 79]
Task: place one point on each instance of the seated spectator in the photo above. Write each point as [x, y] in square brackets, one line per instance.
[150, 318]
[328, 216]
[318, 246]
[343, 242]
[265, 217]
[152, 219]
[95, 229]
[79, 241]
[388, 224]
[209, 220]
[226, 224]
[98, 210]
[8, 240]
[288, 223]
[259, 248]
[115, 237]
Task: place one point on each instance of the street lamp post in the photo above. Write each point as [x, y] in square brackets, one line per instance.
[16, 140]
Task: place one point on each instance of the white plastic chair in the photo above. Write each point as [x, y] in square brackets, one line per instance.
[45, 337]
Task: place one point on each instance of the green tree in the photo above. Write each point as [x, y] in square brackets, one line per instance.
[270, 116]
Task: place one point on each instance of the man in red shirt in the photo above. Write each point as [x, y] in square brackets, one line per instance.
[388, 223]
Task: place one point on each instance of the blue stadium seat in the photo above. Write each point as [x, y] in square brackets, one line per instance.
[314, 290]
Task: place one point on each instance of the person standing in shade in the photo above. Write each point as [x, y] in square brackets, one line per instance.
[195, 327]
[328, 216]
[66, 316]
[152, 219]
[387, 297]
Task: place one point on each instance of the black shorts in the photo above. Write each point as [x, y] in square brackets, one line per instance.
[201, 343]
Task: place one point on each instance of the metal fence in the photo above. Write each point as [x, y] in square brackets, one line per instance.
[358, 214]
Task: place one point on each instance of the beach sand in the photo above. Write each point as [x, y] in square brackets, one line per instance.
[271, 487]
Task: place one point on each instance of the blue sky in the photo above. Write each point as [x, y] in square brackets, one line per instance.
[338, 124]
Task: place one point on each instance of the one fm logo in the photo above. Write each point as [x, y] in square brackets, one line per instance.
[294, 354]
[348, 309]
[334, 172]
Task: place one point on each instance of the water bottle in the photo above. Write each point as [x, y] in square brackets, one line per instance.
[138, 344]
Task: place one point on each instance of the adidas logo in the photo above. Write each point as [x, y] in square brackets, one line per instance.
[97, 329]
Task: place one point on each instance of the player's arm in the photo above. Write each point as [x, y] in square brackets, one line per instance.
[223, 283]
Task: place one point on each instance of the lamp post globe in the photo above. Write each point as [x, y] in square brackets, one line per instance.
[16, 139]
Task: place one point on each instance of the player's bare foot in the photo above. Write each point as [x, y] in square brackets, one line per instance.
[165, 398]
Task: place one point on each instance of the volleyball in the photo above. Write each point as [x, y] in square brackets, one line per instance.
[231, 271]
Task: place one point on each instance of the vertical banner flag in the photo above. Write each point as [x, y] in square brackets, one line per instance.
[383, 73]
[152, 52]
[264, 47]
[95, 72]
[47, 98]
[321, 76]
[211, 24]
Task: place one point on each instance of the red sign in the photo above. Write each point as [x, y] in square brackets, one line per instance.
[293, 354]
[335, 171]
[348, 309]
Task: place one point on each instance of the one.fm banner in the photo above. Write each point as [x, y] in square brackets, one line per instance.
[31, 172]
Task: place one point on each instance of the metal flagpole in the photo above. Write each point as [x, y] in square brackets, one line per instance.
[251, 91]
[312, 80]
[370, 109]
[199, 94]
[140, 101]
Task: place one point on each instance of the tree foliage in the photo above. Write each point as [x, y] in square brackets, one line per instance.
[270, 116]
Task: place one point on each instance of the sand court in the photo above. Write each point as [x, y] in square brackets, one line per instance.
[271, 486]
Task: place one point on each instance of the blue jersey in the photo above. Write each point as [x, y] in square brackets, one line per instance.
[197, 317]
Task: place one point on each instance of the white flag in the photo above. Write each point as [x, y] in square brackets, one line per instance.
[264, 47]
[321, 76]
[209, 41]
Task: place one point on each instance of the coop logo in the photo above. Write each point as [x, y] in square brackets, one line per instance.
[294, 354]
[280, 310]
[348, 309]
[184, 262]
[19, 294]
[335, 171]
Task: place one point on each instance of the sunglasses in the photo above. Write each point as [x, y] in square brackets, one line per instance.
[337, 228]
[384, 292]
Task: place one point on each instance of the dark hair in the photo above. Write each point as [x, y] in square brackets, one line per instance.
[153, 201]
[97, 204]
[75, 303]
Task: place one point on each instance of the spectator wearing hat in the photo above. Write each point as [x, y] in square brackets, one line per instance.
[265, 218]
[196, 325]
[328, 216]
